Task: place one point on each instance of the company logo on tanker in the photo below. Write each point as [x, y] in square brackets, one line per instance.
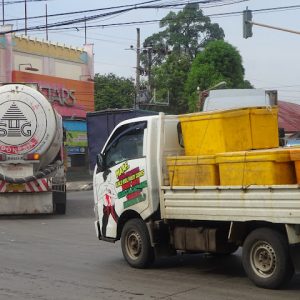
[18, 125]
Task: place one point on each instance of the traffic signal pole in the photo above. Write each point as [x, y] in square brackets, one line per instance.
[248, 23]
[274, 27]
[138, 69]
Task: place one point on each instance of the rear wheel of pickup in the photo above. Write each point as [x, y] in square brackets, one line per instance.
[266, 258]
[136, 246]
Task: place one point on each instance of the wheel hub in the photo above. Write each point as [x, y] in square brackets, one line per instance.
[263, 259]
[134, 245]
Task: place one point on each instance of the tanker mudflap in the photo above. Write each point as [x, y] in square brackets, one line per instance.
[59, 201]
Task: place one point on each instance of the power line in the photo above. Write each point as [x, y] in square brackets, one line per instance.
[84, 11]
[85, 19]
[132, 6]
[234, 13]
[94, 17]
[21, 1]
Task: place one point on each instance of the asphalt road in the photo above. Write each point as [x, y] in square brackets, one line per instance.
[59, 257]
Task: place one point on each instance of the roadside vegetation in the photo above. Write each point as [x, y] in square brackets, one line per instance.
[187, 55]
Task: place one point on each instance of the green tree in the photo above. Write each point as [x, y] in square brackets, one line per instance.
[112, 91]
[186, 32]
[170, 77]
[219, 61]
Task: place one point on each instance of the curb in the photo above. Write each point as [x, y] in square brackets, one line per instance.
[79, 186]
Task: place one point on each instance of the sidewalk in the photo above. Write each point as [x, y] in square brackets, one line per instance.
[79, 186]
[79, 181]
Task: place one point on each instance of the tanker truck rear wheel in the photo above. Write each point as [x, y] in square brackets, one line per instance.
[136, 246]
[60, 202]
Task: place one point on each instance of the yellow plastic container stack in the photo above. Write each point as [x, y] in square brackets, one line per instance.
[193, 170]
[264, 127]
[230, 130]
[263, 167]
[295, 157]
[214, 132]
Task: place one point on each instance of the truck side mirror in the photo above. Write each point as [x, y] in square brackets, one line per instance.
[100, 162]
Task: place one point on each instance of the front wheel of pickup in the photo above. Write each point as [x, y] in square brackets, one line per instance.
[136, 246]
[266, 258]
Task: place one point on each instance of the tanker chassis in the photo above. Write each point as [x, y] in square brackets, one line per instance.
[32, 173]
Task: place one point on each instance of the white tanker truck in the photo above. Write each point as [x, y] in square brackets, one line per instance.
[32, 175]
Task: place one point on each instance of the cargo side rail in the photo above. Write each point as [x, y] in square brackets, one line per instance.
[276, 204]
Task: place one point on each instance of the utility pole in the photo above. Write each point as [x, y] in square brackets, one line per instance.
[149, 52]
[85, 30]
[46, 23]
[138, 69]
[25, 17]
[2, 12]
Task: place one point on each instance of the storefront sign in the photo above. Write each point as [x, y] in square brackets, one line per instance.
[61, 95]
[75, 150]
[62, 91]
[76, 138]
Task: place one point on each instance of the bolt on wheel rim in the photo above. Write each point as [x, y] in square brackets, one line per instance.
[133, 245]
[263, 259]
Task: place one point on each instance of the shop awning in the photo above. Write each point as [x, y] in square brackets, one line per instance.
[76, 111]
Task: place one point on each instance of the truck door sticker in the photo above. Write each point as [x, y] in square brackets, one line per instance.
[108, 195]
[131, 184]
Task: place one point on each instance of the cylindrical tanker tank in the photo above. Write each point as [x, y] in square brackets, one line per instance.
[28, 124]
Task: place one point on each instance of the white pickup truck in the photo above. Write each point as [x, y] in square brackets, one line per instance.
[135, 203]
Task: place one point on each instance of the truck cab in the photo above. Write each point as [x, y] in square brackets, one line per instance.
[125, 178]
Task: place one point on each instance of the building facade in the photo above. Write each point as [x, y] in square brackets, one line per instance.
[64, 75]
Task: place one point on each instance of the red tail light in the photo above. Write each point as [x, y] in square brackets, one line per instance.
[32, 156]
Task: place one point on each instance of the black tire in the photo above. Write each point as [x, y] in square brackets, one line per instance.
[266, 258]
[60, 202]
[136, 246]
[60, 209]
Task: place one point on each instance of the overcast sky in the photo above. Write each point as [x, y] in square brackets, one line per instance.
[271, 58]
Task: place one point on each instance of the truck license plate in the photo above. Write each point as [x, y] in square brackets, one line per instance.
[15, 187]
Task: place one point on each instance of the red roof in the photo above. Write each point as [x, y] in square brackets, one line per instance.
[289, 116]
[76, 111]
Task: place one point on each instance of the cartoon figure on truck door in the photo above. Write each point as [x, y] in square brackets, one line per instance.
[108, 195]
[120, 178]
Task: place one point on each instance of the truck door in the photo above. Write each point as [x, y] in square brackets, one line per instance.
[120, 177]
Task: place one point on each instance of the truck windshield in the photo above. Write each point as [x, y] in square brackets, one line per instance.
[126, 144]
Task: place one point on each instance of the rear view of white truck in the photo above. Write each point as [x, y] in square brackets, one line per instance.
[135, 202]
[32, 176]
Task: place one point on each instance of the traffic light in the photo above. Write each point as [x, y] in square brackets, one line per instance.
[247, 23]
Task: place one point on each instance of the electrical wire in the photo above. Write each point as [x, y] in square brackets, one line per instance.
[37, 28]
[22, 1]
[85, 11]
